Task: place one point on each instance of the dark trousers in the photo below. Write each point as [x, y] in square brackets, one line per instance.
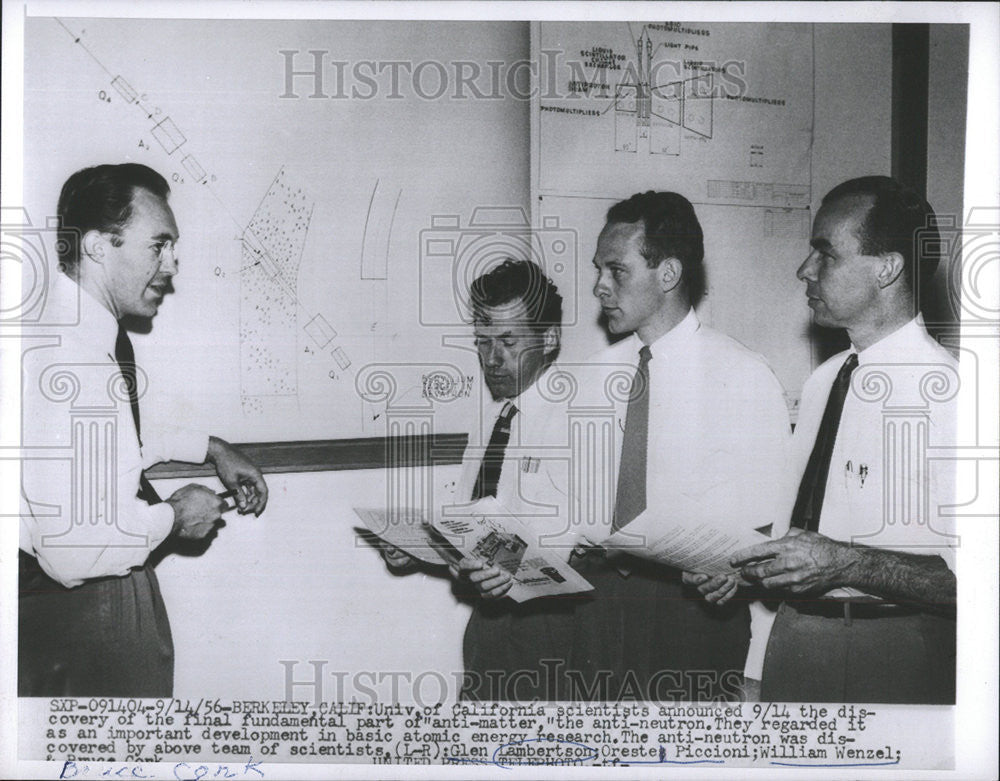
[649, 637]
[518, 651]
[816, 654]
[107, 637]
[641, 637]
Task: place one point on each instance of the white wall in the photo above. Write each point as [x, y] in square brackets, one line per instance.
[754, 295]
[299, 584]
[295, 584]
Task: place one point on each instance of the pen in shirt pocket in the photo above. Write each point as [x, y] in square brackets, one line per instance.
[861, 474]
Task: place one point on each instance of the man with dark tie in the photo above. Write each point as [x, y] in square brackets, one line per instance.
[517, 317]
[91, 619]
[702, 436]
[864, 560]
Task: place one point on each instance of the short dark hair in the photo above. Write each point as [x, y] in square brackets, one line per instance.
[670, 230]
[898, 220]
[519, 280]
[100, 198]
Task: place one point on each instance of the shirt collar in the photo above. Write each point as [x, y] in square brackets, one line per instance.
[889, 348]
[674, 339]
[94, 321]
[531, 402]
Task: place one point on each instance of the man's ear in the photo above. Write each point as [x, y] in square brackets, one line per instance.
[551, 339]
[93, 246]
[669, 274]
[890, 268]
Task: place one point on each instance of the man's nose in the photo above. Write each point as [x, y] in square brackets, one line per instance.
[600, 285]
[488, 354]
[169, 264]
[807, 271]
[494, 356]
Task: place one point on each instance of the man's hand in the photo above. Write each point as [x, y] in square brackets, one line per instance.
[799, 562]
[239, 475]
[490, 582]
[395, 559]
[717, 589]
[196, 510]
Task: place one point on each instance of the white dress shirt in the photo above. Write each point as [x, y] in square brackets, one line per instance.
[718, 426]
[887, 487]
[80, 474]
[534, 474]
[718, 429]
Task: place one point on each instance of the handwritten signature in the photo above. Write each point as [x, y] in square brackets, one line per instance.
[182, 771]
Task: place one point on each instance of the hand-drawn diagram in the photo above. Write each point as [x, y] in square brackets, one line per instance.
[272, 251]
[649, 117]
[720, 111]
[382, 207]
[163, 129]
[272, 247]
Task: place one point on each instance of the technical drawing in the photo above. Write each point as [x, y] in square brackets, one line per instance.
[697, 106]
[192, 167]
[375, 242]
[168, 134]
[272, 250]
[341, 358]
[271, 246]
[785, 195]
[320, 331]
[165, 131]
[651, 116]
[124, 89]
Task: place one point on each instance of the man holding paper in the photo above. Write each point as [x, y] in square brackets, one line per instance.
[864, 561]
[91, 620]
[699, 452]
[509, 464]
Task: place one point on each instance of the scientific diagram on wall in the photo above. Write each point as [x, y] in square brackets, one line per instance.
[650, 116]
[272, 251]
[720, 112]
[272, 244]
[299, 311]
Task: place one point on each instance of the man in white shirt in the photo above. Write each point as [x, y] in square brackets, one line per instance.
[708, 442]
[516, 453]
[864, 560]
[90, 616]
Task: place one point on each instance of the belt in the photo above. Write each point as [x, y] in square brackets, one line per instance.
[585, 559]
[849, 610]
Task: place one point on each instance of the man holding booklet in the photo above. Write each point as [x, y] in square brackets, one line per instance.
[678, 463]
[703, 434]
[509, 469]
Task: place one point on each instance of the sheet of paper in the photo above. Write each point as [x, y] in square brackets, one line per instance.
[486, 531]
[406, 528]
[691, 546]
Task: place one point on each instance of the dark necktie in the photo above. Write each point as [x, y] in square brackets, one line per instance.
[492, 463]
[630, 500]
[813, 486]
[125, 356]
